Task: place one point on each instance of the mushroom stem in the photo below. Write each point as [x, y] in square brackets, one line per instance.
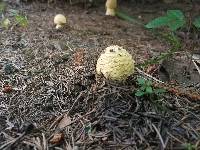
[110, 12]
[58, 26]
[111, 6]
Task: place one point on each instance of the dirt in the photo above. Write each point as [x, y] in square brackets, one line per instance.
[49, 69]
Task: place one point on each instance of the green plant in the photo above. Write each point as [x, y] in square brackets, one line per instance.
[175, 43]
[2, 7]
[21, 20]
[189, 146]
[196, 22]
[170, 37]
[174, 19]
[88, 128]
[146, 88]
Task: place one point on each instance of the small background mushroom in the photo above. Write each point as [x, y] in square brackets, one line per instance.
[111, 6]
[59, 20]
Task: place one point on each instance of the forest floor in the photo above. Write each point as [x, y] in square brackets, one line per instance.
[51, 98]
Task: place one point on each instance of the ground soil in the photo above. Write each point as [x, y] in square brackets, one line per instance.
[55, 68]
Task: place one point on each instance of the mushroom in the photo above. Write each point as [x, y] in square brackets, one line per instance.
[111, 6]
[6, 23]
[59, 20]
[115, 63]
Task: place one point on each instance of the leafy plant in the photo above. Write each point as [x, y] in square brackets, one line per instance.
[146, 88]
[189, 146]
[21, 20]
[174, 19]
[88, 128]
[169, 37]
[175, 43]
[2, 7]
[13, 12]
[196, 22]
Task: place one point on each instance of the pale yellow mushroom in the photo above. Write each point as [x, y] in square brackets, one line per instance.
[6, 23]
[60, 20]
[111, 6]
[115, 63]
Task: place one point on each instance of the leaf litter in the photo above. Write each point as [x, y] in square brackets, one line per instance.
[59, 104]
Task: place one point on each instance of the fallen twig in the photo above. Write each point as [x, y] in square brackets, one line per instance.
[197, 67]
[192, 95]
[147, 75]
[72, 122]
[61, 116]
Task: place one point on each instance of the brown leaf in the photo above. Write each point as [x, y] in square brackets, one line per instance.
[57, 138]
[151, 69]
[79, 58]
[69, 147]
[7, 89]
[65, 121]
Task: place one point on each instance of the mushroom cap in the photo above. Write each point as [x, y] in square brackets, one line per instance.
[115, 63]
[60, 19]
[6, 22]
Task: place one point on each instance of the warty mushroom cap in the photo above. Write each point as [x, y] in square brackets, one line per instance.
[115, 63]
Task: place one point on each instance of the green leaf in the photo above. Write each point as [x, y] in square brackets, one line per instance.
[13, 12]
[176, 25]
[141, 81]
[2, 7]
[142, 88]
[149, 90]
[149, 83]
[176, 14]
[196, 22]
[158, 22]
[21, 20]
[176, 19]
[189, 146]
[139, 93]
[88, 128]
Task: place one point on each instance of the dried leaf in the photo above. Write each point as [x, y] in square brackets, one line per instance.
[65, 121]
[7, 89]
[57, 138]
[79, 58]
[151, 69]
[69, 147]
